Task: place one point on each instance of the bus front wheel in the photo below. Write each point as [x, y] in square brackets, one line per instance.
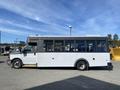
[17, 64]
[82, 65]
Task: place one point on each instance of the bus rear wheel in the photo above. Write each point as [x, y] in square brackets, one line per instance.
[82, 65]
[17, 64]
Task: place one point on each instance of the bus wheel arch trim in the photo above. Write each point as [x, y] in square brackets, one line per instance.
[83, 63]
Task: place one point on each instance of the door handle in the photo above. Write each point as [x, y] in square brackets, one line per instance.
[34, 53]
[52, 58]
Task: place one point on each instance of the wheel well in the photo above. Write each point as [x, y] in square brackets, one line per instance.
[81, 59]
[15, 59]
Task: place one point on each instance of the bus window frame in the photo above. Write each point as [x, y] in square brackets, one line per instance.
[74, 51]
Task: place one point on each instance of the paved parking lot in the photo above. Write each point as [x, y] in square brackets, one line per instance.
[58, 78]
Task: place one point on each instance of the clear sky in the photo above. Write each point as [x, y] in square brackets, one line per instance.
[20, 18]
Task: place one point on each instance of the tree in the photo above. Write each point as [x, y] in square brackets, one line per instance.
[115, 37]
[110, 40]
[109, 37]
[22, 43]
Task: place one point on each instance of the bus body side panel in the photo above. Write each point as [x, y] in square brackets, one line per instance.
[52, 59]
[29, 58]
[14, 56]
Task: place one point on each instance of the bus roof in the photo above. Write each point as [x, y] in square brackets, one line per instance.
[37, 38]
[42, 36]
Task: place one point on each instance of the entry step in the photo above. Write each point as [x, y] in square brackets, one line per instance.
[30, 65]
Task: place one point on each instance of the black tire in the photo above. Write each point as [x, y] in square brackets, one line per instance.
[17, 63]
[82, 65]
[110, 68]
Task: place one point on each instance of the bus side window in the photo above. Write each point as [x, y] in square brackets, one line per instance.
[28, 49]
[69, 46]
[101, 46]
[48, 46]
[80, 46]
[91, 46]
[58, 46]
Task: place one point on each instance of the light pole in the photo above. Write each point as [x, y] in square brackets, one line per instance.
[0, 43]
[70, 30]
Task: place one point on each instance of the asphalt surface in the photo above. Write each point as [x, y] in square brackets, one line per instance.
[58, 78]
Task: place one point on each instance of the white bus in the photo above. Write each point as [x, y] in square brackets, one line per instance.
[56, 51]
